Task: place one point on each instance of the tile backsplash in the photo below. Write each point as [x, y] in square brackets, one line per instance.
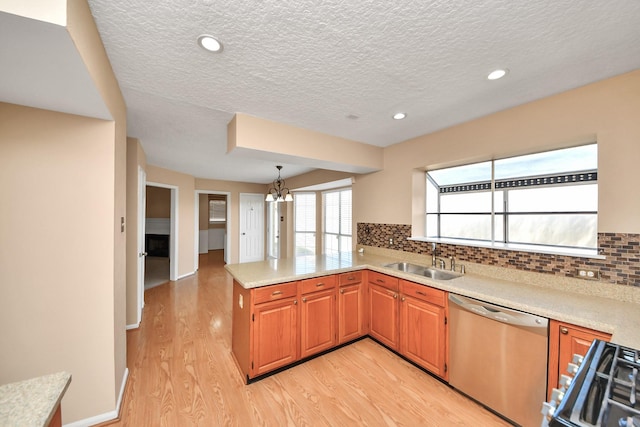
[621, 266]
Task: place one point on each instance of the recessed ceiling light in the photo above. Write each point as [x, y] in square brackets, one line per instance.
[399, 116]
[497, 74]
[209, 43]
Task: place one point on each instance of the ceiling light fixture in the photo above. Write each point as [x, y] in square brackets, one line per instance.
[497, 74]
[279, 193]
[209, 43]
[399, 116]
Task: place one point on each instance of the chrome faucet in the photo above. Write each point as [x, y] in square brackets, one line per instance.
[442, 263]
[433, 254]
[453, 263]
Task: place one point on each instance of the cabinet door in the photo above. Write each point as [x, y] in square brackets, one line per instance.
[423, 334]
[565, 340]
[383, 315]
[275, 335]
[318, 322]
[350, 312]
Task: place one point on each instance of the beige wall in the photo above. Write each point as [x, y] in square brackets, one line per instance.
[203, 216]
[606, 111]
[57, 271]
[185, 217]
[252, 134]
[158, 202]
[87, 40]
[234, 188]
[53, 11]
[135, 159]
[69, 313]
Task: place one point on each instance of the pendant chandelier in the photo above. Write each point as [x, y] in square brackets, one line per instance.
[279, 193]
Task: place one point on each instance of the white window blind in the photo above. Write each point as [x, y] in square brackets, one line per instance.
[218, 209]
[304, 206]
[337, 221]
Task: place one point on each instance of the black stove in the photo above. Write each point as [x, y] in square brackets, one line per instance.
[605, 390]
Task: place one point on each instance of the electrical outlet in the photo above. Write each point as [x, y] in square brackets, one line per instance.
[589, 274]
[391, 241]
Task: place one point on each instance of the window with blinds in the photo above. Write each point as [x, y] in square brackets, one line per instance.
[337, 221]
[304, 207]
[217, 209]
[546, 199]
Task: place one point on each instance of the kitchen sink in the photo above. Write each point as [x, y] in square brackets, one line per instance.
[405, 267]
[419, 270]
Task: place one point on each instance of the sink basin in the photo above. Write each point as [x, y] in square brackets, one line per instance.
[419, 270]
[405, 267]
[437, 274]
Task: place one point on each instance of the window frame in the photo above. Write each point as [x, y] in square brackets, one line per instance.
[212, 210]
[505, 186]
[295, 222]
[340, 235]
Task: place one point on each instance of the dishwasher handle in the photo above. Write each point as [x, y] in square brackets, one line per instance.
[536, 324]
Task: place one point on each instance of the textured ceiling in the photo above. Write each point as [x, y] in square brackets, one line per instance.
[313, 63]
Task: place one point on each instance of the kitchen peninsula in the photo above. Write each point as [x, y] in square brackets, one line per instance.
[509, 288]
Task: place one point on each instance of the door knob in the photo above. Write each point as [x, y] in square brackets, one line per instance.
[564, 330]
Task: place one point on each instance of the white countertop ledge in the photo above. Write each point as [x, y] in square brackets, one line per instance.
[33, 402]
[619, 318]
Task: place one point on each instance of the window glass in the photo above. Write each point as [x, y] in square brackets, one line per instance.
[337, 221]
[549, 162]
[548, 198]
[304, 206]
[217, 210]
[554, 199]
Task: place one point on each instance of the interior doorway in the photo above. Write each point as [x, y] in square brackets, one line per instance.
[274, 225]
[212, 225]
[251, 227]
[160, 235]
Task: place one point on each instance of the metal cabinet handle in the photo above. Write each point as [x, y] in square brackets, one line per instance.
[274, 293]
[395, 296]
[424, 294]
[564, 330]
[403, 299]
[304, 299]
[319, 284]
[351, 278]
[380, 280]
[342, 291]
[295, 302]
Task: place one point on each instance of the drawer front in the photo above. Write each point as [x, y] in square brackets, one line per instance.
[318, 284]
[275, 292]
[349, 278]
[424, 293]
[383, 280]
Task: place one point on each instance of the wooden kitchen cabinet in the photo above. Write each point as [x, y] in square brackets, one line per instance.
[383, 309]
[423, 334]
[351, 307]
[265, 331]
[275, 335]
[565, 340]
[318, 315]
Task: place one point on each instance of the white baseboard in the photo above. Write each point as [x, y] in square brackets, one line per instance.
[186, 275]
[107, 416]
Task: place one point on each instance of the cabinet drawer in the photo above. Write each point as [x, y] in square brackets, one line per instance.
[275, 292]
[424, 293]
[318, 284]
[383, 280]
[349, 278]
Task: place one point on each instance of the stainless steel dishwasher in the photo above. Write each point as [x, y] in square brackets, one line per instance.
[498, 356]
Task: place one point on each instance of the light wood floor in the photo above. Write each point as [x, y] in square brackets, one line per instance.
[182, 373]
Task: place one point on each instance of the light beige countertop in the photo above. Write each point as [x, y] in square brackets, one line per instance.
[597, 306]
[32, 402]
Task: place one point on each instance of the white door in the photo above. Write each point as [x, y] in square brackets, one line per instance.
[142, 253]
[251, 227]
[273, 230]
